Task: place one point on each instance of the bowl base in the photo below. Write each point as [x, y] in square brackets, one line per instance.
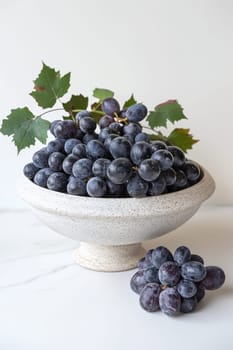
[109, 258]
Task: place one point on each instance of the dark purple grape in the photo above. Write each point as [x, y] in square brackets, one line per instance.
[40, 158]
[79, 151]
[149, 169]
[157, 186]
[137, 187]
[104, 134]
[82, 114]
[160, 255]
[82, 168]
[130, 138]
[188, 305]
[191, 170]
[95, 149]
[69, 145]
[169, 176]
[182, 254]
[96, 187]
[55, 146]
[52, 126]
[142, 136]
[138, 282]
[186, 289]
[181, 179]
[79, 134]
[55, 161]
[178, 155]
[68, 163]
[157, 145]
[89, 136]
[132, 129]
[169, 273]
[41, 177]
[115, 190]
[142, 264]
[193, 271]
[136, 112]
[148, 257]
[149, 297]
[214, 279]
[120, 170]
[110, 106]
[87, 124]
[76, 187]
[140, 151]
[108, 140]
[164, 157]
[57, 182]
[65, 129]
[105, 121]
[100, 167]
[170, 301]
[195, 257]
[116, 128]
[120, 147]
[151, 275]
[30, 170]
[200, 294]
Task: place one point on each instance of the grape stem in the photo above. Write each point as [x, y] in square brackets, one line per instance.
[51, 110]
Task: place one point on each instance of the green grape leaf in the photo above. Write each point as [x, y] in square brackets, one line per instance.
[49, 86]
[182, 138]
[170, 110]
[131, 101]
[76, 102]
[101, 94]
[24, 128]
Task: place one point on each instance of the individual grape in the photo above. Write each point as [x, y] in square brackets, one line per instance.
[138, 282]
[120, 147]
[157, 186]
[164, 157]
[115, 190]
[82, 114]
[116, 128]
[130, 138]
[200, 294]
[170, 301]
[160, 255]
[178, 155]
[30, 170]
[188, 305]
[120, 170]
[65, 129]
[40, 159]
[55, 146]
[169, 273]
[105, 121]
[79, 151]
[136, 112]
[137, 187]
[76, 186]
[195, 257]
[69, 145]
[149, 169]
[191, 170]
[100, 167]
[140, 151]
[151, 275]
[87, 124]
[157, 145]
[57, 182]
[89, 136]
[186, 289]
[55, 161]
[96, 187]
[169, 176]
[79, 134]
[193, 271]
[108, 140]
[182, 254]
[142, 136]
[149, 297]
[181, 179]
[95, 149]
[41, 177]
[52, 126]
[142, 264]
[110, 106]
[68, 163]
[132, 129]
[148, 257]
[82, 168]
[104, 134]
[214, 279]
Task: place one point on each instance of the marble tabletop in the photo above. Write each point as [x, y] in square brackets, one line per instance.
[48, 302]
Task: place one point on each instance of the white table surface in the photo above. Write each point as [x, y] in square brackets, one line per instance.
[48, 302]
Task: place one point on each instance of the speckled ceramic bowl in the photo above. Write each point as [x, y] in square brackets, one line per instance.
[111, 230]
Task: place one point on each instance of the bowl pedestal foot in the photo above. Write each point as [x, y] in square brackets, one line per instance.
[109, 258]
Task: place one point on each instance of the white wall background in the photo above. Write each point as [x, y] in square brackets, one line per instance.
[158, 49]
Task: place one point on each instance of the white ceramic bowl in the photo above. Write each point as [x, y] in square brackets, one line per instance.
[110, 230]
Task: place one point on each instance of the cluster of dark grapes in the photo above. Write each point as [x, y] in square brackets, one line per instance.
[174, 283]
[118, 161]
